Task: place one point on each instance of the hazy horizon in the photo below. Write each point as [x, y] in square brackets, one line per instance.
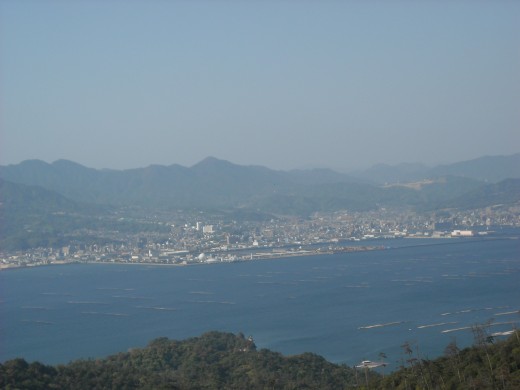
[285, 85]
[361, 169]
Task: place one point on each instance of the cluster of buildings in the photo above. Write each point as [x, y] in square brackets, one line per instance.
[207, 238]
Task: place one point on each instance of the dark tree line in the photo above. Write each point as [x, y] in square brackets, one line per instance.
[226, 361]
[212, 361]
[488, 364]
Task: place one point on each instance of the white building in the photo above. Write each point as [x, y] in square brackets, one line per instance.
[462, 233]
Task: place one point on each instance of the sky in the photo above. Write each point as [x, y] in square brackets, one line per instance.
[283, 84]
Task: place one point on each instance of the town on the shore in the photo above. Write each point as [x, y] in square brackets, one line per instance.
[204, 238]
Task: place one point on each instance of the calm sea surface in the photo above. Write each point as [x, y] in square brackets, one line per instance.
[347, 307]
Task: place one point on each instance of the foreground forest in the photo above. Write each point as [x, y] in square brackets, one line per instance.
[226, 361]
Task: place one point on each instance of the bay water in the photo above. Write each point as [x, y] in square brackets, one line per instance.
[347, 307]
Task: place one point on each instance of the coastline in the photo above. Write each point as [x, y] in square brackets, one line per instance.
[361, 287]
[251, 257]
[248, 254]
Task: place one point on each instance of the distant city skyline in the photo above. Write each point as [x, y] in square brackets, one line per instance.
[286, 85]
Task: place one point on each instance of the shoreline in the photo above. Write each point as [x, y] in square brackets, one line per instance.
[280, 254]
[337, 272]
[255, 257]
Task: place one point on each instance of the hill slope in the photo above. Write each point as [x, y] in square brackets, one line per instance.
[31, 216]
[487, 365]
[504, 192]
[488, 169]
[212, 361]
[226, 361]
[210, 184]
[217, 184]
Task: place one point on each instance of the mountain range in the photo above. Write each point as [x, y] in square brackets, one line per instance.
[487, 169]
[219, 184]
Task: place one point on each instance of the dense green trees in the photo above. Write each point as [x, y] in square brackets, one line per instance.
[212, 361]
[486, 365]
[18, 374]
[226, 361]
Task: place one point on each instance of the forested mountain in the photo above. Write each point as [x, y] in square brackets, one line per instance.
[489, 364]
[388, 174]
[218, 184]
[488, 169]
[506, 192]
[31, 216]
[18, 198]
[226, 361]
[212, 183]
[212, 361]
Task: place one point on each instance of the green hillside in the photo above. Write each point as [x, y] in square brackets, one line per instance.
[212, 361]
[31, 216]
[487, 365]
[226, 361]
[218, 184]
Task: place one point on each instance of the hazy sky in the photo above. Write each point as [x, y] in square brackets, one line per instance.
[284, 84]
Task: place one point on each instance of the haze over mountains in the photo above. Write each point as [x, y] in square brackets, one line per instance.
[214, 183]
[488, 169]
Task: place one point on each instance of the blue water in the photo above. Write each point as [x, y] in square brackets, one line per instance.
[320, 304]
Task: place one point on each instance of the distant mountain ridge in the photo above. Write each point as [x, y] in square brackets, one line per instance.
[211, 182]
[488, 169]
[384, 173]
[219, 184]
[32, 216]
